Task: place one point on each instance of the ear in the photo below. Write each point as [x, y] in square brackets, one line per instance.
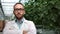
[24, 12]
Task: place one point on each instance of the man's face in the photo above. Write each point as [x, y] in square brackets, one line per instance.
[19, 11]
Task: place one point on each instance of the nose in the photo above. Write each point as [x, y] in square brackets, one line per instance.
[20, 12]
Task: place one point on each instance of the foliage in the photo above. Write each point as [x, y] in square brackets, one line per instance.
[43, 12]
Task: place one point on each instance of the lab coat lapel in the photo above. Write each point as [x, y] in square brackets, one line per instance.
[15, 25]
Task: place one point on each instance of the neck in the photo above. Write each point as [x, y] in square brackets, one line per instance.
[19, 18]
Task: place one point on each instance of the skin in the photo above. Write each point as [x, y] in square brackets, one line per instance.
[24, 32]
[19, 13]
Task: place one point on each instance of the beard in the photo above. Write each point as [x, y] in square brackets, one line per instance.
[19, 17]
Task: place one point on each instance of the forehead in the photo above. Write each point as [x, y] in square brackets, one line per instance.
[18, 6]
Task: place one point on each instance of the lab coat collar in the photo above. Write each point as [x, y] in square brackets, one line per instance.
[21, 21]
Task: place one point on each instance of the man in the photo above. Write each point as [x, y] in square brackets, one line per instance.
[20, 25]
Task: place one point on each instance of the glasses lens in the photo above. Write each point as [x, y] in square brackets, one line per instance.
[19, 9]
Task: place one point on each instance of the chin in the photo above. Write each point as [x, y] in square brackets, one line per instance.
[19, 17]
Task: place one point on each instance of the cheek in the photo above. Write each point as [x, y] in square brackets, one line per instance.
[15, 13]
[21, 12]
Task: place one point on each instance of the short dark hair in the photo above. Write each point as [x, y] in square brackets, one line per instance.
[19, 3]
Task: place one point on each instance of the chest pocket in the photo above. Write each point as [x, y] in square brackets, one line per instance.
[13, 27]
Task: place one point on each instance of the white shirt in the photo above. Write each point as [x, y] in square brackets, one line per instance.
[12, 27]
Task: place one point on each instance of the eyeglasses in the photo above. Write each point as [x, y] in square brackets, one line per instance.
[19, 9]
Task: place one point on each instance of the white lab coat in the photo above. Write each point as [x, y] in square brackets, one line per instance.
[12, 28]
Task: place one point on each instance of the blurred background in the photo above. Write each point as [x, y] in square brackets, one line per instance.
[44, 13]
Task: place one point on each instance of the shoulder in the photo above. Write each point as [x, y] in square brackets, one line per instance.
[9, 22]
[31, 25]
[29, 22]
